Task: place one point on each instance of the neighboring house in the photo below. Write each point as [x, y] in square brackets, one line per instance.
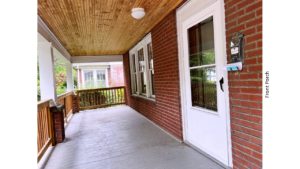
[99, 75]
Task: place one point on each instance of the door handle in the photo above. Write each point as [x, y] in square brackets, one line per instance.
[221, 81]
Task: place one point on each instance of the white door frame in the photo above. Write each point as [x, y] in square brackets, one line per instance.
[188, 11]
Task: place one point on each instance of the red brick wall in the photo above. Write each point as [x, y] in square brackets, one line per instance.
[115, 74]
[165, 111]
[245, 87]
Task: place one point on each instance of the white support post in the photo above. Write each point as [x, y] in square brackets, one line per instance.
[70, 82]
[83, 78]
[46, 68]
[79, 79]
[95, 78]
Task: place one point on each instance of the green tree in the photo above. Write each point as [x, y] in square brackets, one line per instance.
[60, 75]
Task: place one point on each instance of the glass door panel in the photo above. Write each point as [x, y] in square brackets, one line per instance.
[202, 65]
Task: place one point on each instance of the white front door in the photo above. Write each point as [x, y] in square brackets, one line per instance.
[204, 81]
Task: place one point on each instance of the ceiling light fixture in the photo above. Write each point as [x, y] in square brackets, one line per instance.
[138, 13]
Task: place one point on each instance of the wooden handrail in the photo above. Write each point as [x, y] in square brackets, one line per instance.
[65, 94]
[82, 90]
[100, 97]
[44, 101]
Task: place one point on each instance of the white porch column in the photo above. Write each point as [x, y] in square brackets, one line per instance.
[83, 79]
[70, 82]
[94, 78]
[46, 68]
[79, 78]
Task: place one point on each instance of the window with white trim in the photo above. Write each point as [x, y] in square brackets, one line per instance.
[88, 79]
[94, 78]
[151, 68]
[142, 69]
[100, 81]
[142, 72]
[133, 74]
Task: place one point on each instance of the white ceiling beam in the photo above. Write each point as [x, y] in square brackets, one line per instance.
[91, 59]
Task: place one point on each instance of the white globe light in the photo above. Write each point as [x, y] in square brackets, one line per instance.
[138, 13]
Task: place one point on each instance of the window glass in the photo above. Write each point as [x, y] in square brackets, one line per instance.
[203, 88]
[143, 82]
[201, 43]
[150, 55]
[202, 65]
[88, 75]
[133, 63]
[152, 86]
[88, 79]
[151, 67]
[100, 79]
[141, 60]
[133, 74]
[134, 83]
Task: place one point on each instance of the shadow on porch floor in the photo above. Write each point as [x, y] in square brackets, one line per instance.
[120, 138]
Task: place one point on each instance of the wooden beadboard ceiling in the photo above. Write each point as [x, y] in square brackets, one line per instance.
[101, 27]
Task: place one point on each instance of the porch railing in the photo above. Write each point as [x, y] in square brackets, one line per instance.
[66, 99]
[101, 97]
[45, 122]
[45, 135]
[86, 99]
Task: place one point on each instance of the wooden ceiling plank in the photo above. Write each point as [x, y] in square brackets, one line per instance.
[101, 27]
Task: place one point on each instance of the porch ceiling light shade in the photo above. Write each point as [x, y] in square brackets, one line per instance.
[137, 13]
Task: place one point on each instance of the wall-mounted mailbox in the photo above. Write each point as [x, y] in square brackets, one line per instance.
[237, 48]
[236, 52]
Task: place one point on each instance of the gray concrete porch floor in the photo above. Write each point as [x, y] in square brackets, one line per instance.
[120, 138]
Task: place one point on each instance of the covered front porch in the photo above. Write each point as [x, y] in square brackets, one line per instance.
[180, 71]
[119, 137]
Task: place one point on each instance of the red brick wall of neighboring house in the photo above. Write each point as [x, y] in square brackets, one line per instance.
[245, 87]
[109, 77]
[115, 75]
[165, 111]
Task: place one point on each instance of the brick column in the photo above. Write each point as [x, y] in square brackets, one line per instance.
[75, 103]
[127, 83]
[58, 123]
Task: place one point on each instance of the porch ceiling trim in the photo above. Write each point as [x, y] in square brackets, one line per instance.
[44, 30]
[103, 58]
